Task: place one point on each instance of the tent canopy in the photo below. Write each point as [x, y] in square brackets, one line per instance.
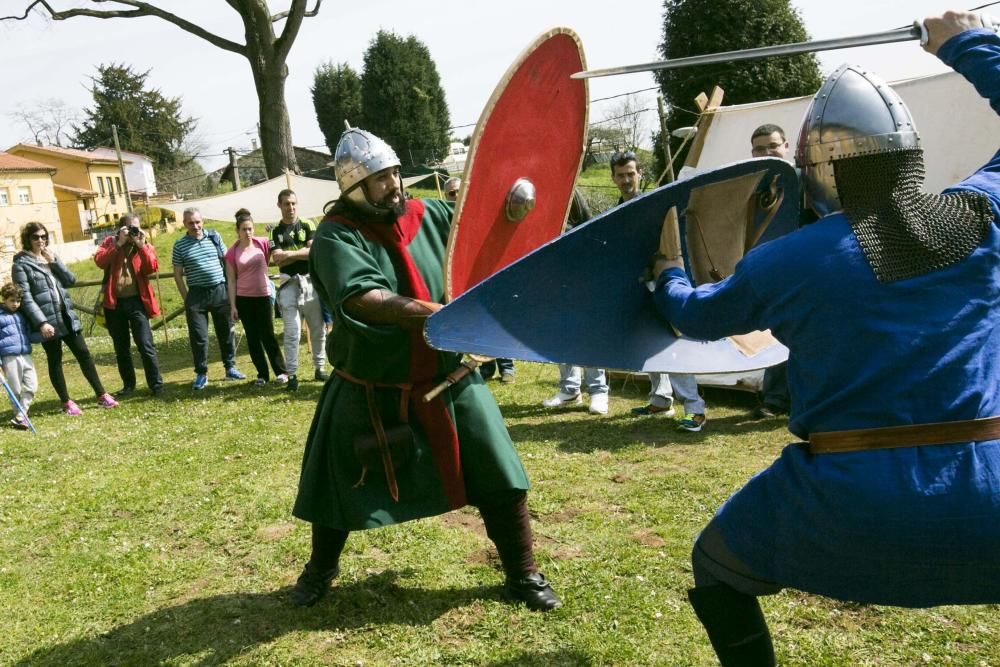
[262, 199]
[957, 127]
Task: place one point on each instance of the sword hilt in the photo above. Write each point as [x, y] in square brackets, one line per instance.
[451, 378]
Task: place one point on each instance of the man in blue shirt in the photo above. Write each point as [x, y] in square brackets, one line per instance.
[890, 308]
[197, 256]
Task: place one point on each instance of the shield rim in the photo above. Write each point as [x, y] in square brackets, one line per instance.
[470, 160]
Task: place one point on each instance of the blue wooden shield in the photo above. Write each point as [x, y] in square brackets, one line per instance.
[580, 299]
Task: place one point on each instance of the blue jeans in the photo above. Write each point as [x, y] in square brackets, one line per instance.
[199, 304]
[571, 379]
[489, 368]
[661, 394]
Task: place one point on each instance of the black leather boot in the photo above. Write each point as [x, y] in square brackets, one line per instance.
[322, 568]
[735, 625]
[534, 591]
[312, 585]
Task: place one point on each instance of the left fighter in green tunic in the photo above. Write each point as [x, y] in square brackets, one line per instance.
[376, 453]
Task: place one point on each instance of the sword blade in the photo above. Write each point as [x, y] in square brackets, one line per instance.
[885, 37]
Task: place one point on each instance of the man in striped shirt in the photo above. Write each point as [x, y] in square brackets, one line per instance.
[197, 256]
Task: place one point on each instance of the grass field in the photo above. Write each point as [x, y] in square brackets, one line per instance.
[160, 534]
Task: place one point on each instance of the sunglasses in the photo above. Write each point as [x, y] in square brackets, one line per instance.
[40, 237]
[623, 156]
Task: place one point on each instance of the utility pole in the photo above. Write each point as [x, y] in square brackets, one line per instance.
[232, 165]
[665, 136]
[121, 167]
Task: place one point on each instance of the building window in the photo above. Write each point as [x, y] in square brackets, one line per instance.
[118, 182]
[4, 197]
[100, 185]
[111, 190]
[24, 195]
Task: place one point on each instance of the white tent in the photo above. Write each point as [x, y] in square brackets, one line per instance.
[262, 199]
[957, 127]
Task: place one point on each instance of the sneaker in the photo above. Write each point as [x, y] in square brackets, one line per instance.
[764, 412]
[561, 399]
[598, 404]
[260, 382]
[534, 591]
[507, 378]
[19, 422]
[693, 423]
[293, 383]
[233, 374]
[320, 376]
[281, 379]
[647, 410]
[124, 392]
[200, 382]
[72, 409]
[156, 391]
[106, 401]
[312, 585]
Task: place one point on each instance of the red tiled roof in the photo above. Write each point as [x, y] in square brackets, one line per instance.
[10, 162]
[69, 153]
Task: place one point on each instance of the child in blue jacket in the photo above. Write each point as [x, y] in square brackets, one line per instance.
[15, 352]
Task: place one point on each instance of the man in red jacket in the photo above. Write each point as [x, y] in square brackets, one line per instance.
[128, 261]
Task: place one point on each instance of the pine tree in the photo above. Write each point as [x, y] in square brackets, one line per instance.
[336, 94]
[402, 99]
[695, 27]
[148, 122]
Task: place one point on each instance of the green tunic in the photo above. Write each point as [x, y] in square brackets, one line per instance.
[344, 263]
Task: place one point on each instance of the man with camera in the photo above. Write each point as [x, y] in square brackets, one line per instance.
[128, 301]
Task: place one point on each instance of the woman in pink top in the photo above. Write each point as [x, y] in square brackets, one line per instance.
[250, 298]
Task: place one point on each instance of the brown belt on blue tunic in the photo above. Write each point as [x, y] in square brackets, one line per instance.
[912, 435]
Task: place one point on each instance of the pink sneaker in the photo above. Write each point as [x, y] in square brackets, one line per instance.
[106, 401]
[72, 409]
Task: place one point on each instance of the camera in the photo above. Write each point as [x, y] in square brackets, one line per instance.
[133, 231]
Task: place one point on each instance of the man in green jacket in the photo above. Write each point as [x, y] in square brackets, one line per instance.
[376, 453]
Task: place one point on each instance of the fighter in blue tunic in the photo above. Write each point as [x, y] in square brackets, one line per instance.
[889, 307]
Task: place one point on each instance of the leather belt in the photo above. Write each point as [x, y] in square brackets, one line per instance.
[912, 435]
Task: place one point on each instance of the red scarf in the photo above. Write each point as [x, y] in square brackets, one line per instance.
[433, 417]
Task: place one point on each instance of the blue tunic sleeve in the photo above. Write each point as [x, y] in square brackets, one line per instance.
[708, 312]
[975, 54]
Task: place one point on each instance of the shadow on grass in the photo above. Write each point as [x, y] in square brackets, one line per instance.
[214, 629]
[567, 657]
[589, 433]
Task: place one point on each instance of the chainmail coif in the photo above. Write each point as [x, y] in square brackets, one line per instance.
[903, 231]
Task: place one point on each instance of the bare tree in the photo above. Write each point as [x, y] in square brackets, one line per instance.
[266, 52]
[48, 120]
[626, 123]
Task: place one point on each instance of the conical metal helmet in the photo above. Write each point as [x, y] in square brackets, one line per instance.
[855, 113]
[360, 154]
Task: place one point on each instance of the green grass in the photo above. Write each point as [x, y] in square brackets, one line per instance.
[160, 534]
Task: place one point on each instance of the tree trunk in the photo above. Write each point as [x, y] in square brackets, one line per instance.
[275, 128]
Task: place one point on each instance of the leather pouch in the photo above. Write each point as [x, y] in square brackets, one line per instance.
[399, 440]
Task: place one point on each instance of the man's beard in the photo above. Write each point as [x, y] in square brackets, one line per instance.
[395, 210]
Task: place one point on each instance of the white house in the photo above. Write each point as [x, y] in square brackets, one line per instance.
[139, 173]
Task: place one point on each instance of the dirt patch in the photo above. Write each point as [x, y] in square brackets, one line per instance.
[562, 516]
[470, 522]
[648, 538]
[567, 552]
[621, 478]
[275, 531]
[485, 556]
